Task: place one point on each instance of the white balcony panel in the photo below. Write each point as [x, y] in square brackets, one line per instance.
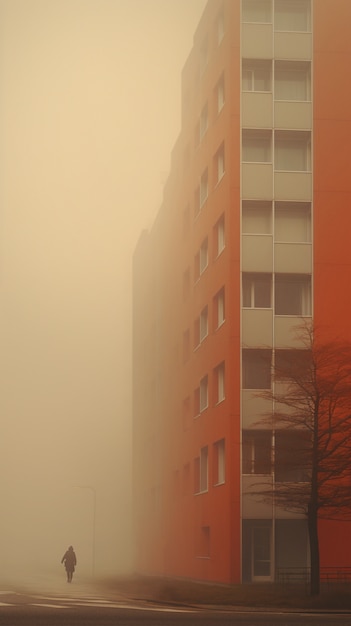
[255, 411]
[293, 258]
[257, 41]
[293, 46]
[257, 253]
[257, 181]
[293, 186]
[257, 109]
[254, 506]
[293, 115]
[286, 329]
[257, 328]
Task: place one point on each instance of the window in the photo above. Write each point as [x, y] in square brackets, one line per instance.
[292, 81]
[220, 382]
[257, 291]
[292, 15]
[204, 323]
[219, 308]
[203, 187]
[256, 369]
[292, 294]
[204, 121]
[204, 255]
[256, 452]
[256, 217]
[292, 221]
[220, 27]
[293, 151]
[257, 11]
[256, 75]
[292, 364]
[196, 333]
[220, 94]
[196, 402]
[204, 469]
[219, 236]
[203, 393]
[292, 456]
[201, 260]
[197, 205]
[219, 462]
[219, 163]
[256, 146]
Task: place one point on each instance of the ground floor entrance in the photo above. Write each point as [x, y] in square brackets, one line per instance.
[271, 546]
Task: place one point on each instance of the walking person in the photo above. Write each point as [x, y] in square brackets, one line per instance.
[70, 561]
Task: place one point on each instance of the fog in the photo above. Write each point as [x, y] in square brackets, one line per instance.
[89, 112]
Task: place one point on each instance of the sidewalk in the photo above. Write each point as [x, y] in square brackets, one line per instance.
[247, 596]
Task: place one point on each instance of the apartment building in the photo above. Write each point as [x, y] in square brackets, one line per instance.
[251, 239]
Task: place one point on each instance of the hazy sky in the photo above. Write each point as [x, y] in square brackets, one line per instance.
[89, 113]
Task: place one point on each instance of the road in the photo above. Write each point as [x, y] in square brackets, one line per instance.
[83, 607]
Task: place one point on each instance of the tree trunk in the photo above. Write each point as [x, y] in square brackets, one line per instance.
[314, 549]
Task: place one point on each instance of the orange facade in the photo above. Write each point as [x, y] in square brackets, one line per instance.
[189, 323]
[332, 202]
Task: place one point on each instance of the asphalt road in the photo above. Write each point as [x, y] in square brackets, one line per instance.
[84, 607]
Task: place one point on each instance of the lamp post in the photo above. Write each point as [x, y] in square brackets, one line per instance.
[93, 491]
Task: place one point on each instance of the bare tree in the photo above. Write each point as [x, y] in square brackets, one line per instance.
[311, 418]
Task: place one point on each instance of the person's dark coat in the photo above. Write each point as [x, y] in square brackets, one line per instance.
[69, 559]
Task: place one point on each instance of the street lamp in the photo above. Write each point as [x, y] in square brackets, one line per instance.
[93, 491]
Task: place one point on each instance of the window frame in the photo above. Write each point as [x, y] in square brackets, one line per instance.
[219, 161]
[203, 122]
[259, 141]
[203, 326]
[219, 376]
[282, 68]
[219, 308]
[203, 469]
[303, 293]
[257, 452]
[220, 94]
[203, 188]
[256, 367]
[261, 211]
[203, 393]
[299, 216]
[286, 18]
[298, 143]
[219, 462]
[251, 282]
[253, 72]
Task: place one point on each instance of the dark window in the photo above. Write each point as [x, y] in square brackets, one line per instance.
[256, 452]
[256, 369]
